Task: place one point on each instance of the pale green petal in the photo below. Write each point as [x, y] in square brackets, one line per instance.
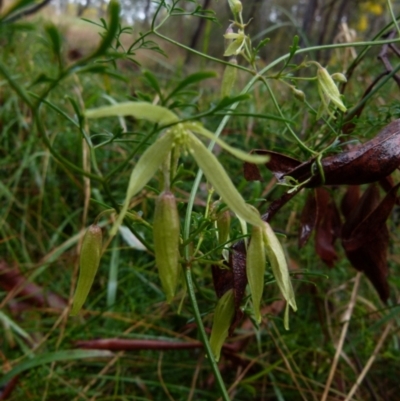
[223, 315]
[232, 35]
[139, 110]
[235, 47]
[247, 157]
[144, 170]
[255, 268]
[221, 182]
[279, 266]
[228, 80]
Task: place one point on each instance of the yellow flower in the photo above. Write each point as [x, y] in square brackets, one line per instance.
[362, 23]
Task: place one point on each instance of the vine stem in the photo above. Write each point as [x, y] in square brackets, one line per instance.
[389, 4]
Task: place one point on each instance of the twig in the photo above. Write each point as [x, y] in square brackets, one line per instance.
[9, 388]
[383, 56]
[161, 379]
[339, 347]
[195, 377]
[243, 374]
[119, 344]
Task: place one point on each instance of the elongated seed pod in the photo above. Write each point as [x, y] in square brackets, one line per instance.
[255, 268]
[166, 242]
[89, 263]
[229, 79]
[223, 316]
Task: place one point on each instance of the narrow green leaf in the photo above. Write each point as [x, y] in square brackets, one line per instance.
[14, 326]
[247, 157]
[294, 47]
[144, 170]
[139, 110]
[220, 180]
[190, 80]
[226, 102]
[58, 356]
[55, 38]
[100, 69]
[89, 263]
[152, 81]
[55, 108]
[262, 44]
[223, 316]
[113, 11]
[13, 7]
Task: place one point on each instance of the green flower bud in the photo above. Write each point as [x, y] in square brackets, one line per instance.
[255, 268]
[89, 263]
[235, 6]
[223, 315]
[339, 77]
[298, 94]
[328, 89]
[166, 242]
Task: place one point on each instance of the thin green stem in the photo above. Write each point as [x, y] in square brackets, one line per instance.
[301, 144]
[206, 56]
[153, 22]
[71, 166]
[389, 3]
[324, 47]
[15, 85]
[203, 334]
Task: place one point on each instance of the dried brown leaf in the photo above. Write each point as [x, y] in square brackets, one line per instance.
[328, 227]
[365, 237]
[278, 163]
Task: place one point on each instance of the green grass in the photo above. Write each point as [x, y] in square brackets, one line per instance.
[44, 205]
